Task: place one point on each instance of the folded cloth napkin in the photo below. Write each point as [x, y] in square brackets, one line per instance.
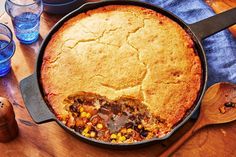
[220, 48]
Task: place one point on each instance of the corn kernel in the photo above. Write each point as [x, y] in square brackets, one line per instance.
[150, 135]
[81, 109]
[92, 134]
[129, 130]
[88, 115]
[99, 126]
[119, 134]
[140, 126]
[86, 130]
[122, 138]
[113, 136]
[83, 114]
[113, 141]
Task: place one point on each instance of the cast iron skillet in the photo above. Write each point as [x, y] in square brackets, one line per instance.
[31, 88]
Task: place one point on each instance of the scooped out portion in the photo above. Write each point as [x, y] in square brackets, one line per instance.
[121, 73]
[123, 120]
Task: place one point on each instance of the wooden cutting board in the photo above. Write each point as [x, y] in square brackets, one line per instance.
[49, 140]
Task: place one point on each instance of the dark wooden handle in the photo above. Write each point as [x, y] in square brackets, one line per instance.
[214, 24]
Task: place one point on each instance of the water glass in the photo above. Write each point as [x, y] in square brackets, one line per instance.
[7, 49]
[25, 15]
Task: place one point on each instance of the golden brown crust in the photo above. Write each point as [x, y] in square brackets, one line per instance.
[117, 51]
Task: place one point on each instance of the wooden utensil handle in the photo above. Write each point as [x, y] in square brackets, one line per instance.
[199, 124]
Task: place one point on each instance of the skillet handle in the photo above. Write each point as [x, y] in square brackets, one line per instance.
[34, 102]
[214, 24]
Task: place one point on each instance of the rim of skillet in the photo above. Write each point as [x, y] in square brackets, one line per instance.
[93, 5]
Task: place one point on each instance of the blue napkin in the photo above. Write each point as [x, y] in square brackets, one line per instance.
[220, 48]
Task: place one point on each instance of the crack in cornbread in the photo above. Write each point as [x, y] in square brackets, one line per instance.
[118, 51]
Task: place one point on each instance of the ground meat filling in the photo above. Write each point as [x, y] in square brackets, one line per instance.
[124, 120]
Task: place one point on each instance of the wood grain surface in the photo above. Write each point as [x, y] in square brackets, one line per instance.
[212, 111]
[50, 140]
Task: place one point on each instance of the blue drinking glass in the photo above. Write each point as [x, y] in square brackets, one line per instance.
[7, 49]
[25, 15]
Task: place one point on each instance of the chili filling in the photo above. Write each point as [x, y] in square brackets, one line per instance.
[118, 121]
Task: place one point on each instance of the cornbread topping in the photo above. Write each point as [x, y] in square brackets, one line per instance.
[121, 73]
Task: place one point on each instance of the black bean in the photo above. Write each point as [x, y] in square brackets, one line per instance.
[229, 104]
[124, 113]
[140, 116]
[115, 109]
[136, 128]
[93, 129]
[107, 105]
[80, 101]
[129, 125]
[131, 109]
[144, 133]
[73, 107]
[132, 117]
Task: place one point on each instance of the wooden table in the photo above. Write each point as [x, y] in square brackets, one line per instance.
[49, 140]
